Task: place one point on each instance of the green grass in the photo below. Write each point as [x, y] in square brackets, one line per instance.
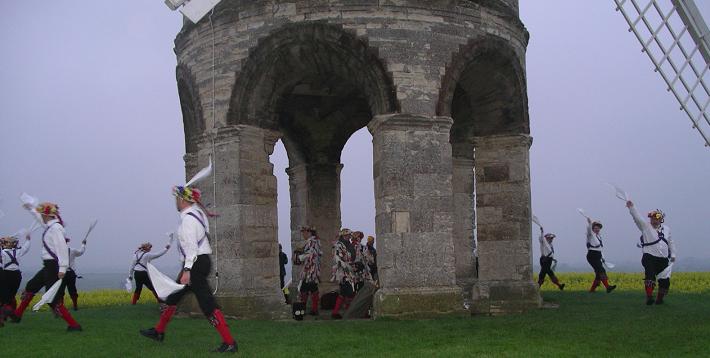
[600, 324]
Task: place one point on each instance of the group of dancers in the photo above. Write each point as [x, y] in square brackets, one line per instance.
[656, 243]
[353, 266]
[58, 261]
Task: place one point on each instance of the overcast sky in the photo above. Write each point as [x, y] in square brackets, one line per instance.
[91, 120]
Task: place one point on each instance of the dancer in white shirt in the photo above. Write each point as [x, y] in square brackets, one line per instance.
[139, 270]
[55, 256]
[10, 274]
[658, 250]
[194, 247]
[71, 276]
[594, 256]
[547, 253]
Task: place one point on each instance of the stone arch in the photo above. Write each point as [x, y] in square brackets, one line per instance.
[191, 107]
[484, 92]
[296, 51]
[485, 89]
[315, 84]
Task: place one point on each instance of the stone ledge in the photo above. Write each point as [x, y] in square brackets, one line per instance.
[504, 297]
[417, 303]
[242, 307]
[409, 122]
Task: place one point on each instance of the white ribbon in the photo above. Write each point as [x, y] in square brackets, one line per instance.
[48, 296]
[536, 221]
[164, 285]
[202, 174]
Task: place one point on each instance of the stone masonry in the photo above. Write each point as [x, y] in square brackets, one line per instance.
[441, 86]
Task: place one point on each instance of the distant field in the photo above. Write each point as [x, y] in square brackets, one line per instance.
[585, 324]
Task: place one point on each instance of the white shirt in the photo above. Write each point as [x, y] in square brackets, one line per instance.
[73, 254]
[7, 254]
[650, 235]
[192, 235]
[546, 249]
[593, 240]
[54, 245]
[141, 259]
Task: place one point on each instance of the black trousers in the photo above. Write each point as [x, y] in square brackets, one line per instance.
[46, 277]
[546, 269]
[595, 260]
[70, 281]
[652, 266]
[142, 279]
[9, 284]
[309, 287]
[198, 285]
[346, 289]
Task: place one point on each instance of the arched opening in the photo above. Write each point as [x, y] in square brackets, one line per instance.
[316, 85]
[357, 185]
[484, 93]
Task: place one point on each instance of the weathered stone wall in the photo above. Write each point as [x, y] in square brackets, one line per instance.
[312, 72]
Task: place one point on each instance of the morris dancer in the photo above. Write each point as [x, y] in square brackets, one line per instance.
[55, 256]
[310, 275]
[139, 270]
[658, 249]
[360, 268]
[371, 258]
[547, 253]
[594, 256]
[11, 274]
[70, 278]
[343, 256]
[194, 246]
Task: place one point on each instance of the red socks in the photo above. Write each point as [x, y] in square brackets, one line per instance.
[165, 317]
[338, 303]
[649, 285]
[136, 296]
[605, 281]
[220, 324]
[314, 301]
[74, 299]
[66, 316]
[595, 284]
[26, 299]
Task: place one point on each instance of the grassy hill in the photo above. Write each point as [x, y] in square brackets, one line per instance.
[584, 324]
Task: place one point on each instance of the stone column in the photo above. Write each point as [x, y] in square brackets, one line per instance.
[463, 187]
[503, 214]
[315, 201]
[244, 240]
[412, 174]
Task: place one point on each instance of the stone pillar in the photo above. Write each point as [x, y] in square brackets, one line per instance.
[463, 235]
[503, 214]
[315, 201]
[244, 240]
[412, 174]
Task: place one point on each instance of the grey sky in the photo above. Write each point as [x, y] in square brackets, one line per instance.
[91, 120]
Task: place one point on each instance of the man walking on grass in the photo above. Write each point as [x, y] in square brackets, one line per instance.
[658, 250]
[55, 256]
[194, 246]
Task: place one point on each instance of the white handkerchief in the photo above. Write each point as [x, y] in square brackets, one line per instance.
[48, 296]
[164, 285]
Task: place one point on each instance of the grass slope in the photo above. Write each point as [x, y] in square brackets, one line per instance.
[585, 324]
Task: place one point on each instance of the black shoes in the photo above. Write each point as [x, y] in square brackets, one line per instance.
[562, 287]
[659, 301]
[336, 316]
[153, 334]
[13, 318]
[314, 313]
[74, 329]
[610, 288]
[650, 301]
[227, 348]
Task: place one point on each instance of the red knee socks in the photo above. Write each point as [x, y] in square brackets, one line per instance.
[605, 281]
[26, 299]
[74, 300]
[314, 301]
[165, 317]
[649, 285]
[220, 324]
[136, 296]
[64, 313]
[595, 284]
[338, 303]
